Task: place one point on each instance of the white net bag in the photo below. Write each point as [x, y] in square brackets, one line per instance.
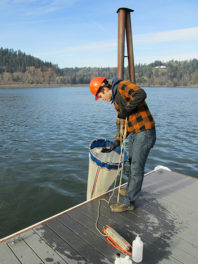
[103, 167]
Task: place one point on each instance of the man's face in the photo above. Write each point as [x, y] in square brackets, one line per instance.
[106, 95]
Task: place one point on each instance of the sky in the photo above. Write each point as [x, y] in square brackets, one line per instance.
[84, 33]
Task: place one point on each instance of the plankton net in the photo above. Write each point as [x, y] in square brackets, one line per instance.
[103, 167]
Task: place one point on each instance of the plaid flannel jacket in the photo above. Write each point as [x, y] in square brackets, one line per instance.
[129, 101]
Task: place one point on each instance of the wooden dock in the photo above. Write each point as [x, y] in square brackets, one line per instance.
[166, 218]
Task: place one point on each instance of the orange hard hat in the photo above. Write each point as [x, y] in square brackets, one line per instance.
[95, 85]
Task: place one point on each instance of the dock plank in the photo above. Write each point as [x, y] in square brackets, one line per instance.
[23, 252]
[7, 256]
[172, 184]
[175, 200]
[91, 238]
[78, 243]
[189, 240]
[46, 253]
[62, 248]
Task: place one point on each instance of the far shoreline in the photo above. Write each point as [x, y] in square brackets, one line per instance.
[55, 85]
[44, 85]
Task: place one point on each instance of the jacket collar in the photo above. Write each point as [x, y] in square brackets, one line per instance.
[114, 88]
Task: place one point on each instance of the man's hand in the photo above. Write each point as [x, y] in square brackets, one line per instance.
[122, 116]
[111, 147]
[107, 149]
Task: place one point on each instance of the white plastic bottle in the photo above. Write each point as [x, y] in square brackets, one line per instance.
[127, 260]
[137, 252]
[117, 259]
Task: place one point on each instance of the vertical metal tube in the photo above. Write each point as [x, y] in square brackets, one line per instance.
[130, 48]
[124, 23]
[121, 42]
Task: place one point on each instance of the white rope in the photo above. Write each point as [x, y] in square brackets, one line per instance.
[121, 162]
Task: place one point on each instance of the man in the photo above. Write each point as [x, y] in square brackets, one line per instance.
[132, 111]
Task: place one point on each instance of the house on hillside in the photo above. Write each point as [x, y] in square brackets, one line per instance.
[160, 67]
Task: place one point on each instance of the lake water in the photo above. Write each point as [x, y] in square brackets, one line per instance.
[44, 143]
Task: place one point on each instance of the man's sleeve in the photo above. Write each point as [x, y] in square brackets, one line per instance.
[120, 124]
[130, 99]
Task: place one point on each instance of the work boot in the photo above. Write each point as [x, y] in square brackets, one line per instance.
[118, 208]
[123, 192]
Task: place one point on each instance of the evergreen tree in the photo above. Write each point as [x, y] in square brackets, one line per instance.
[17, 66]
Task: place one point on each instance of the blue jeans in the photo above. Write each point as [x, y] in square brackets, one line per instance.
[139, 148]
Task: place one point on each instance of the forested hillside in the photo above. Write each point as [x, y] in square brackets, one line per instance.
[171, 74]
[17, 68]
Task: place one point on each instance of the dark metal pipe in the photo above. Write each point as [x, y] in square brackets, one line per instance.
[121, 42]
[130, 48]
[124, 23]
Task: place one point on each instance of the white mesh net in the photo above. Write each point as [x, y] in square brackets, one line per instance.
[103, 167]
